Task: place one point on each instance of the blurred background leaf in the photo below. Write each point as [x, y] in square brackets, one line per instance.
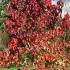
[3, 15]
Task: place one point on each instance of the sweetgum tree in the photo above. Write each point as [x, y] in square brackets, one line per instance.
[38, 35]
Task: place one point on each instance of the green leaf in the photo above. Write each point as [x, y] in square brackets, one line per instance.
[47, 63]
[0, 10]
[11, 66]
[20, 8]
[67, 49]
[36, 56]
[1, 26]
[21, 58]
[19, 69]
[53, 24]
[30, 68]
[29, 56]
[57, 63]
[43, 51]
[14, 68]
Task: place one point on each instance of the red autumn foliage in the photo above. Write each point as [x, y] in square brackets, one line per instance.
[34, 30]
